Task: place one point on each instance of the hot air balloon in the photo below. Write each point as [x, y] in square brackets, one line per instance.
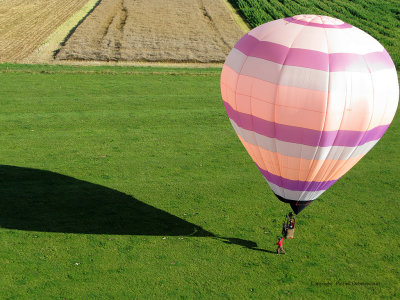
[308, 97]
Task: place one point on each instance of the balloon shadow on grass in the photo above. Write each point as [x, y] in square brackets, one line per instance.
[245, 243]
[38, 200]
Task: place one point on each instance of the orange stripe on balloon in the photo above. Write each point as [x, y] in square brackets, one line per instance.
[294, 106]
[295, 168]
[228, 85]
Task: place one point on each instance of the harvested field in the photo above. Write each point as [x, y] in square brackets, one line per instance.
[25, 25]
[154, 31]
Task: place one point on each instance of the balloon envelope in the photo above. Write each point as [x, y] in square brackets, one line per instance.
[308, 97]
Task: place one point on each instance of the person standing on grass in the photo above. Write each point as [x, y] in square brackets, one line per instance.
[280, 246]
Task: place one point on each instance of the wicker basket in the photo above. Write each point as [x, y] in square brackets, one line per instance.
[290, 233]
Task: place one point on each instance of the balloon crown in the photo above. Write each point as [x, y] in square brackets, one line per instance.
[317, 19]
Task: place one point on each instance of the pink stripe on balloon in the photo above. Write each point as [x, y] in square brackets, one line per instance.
[312, 59]
[340, 26]
[250, 46]
[308, 59]
[296, 185]
[378, 60]
[304, 136]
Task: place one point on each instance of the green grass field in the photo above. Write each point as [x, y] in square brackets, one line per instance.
[130, 183]
[123, 182]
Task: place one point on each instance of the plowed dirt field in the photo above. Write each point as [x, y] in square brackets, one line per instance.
[154, 31]
[24, 25]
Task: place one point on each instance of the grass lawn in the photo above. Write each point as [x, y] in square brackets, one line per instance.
[123, 182]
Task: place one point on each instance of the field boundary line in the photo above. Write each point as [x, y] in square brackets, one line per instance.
[237, 17]
[195, 65]
[45, 52]
[110, 72]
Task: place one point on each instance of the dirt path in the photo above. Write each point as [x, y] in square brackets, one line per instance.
[185, 31]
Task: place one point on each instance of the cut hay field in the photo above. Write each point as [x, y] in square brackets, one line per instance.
[155, 31]
[130, 183]
[25, 25]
